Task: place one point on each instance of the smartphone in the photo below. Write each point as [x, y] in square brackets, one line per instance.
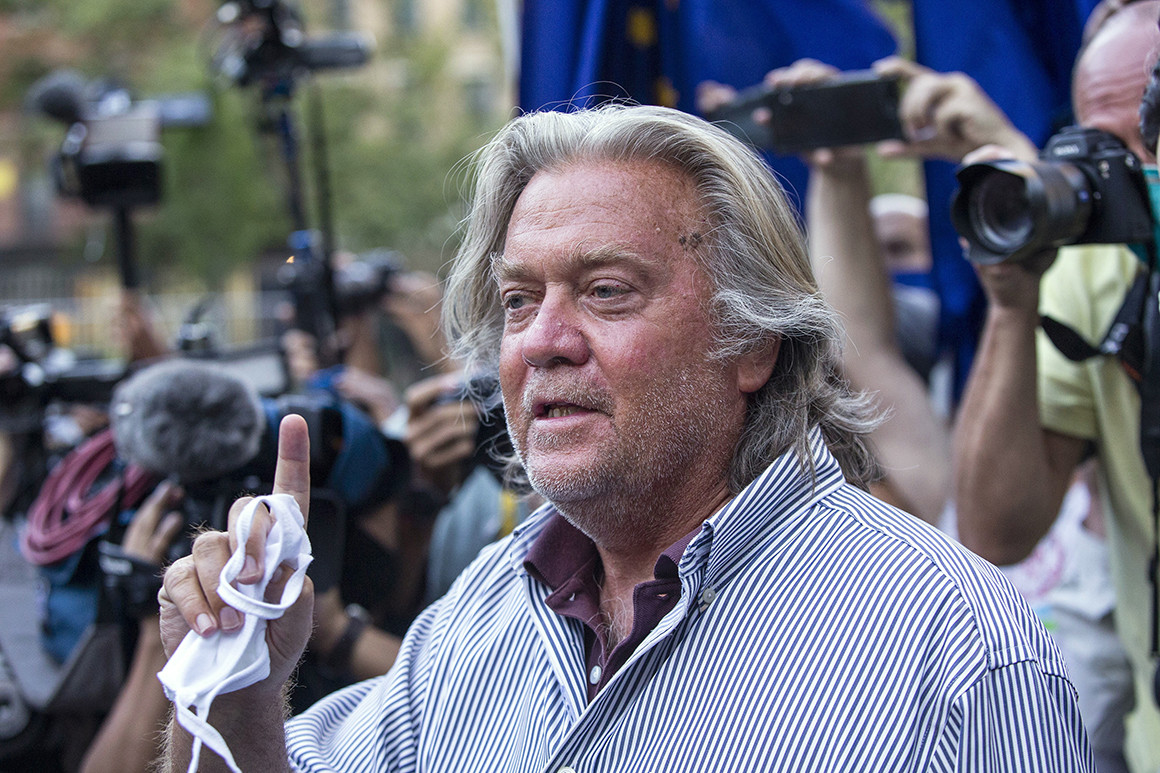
[856, 108]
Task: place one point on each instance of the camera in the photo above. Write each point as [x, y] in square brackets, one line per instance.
[40, 371]
[112, 154]
[1088, 188]
[361, 284]
[855, 108]
[265, 42]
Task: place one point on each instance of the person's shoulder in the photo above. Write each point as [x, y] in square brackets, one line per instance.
[498, 565]
[992, 614]
[1091, 268]
[1086, 284]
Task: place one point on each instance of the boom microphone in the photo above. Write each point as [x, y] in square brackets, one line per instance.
[188, 419]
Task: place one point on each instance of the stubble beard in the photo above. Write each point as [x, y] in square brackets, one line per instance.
[623, 495]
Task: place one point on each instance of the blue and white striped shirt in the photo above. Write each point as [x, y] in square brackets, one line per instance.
[817, 629]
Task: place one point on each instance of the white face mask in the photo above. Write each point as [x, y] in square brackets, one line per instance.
[203, 667]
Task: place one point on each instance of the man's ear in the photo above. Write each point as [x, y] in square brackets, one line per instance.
[755, 368]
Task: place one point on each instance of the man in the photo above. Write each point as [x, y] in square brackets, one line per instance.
[710, 587]
[1029, 415]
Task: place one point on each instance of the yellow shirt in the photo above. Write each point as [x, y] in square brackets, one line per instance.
[1095, 400]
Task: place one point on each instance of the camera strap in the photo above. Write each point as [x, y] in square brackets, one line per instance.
[1133, 339]
[1124, 339]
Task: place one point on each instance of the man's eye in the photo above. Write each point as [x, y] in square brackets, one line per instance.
[607, 291]
[512, 301]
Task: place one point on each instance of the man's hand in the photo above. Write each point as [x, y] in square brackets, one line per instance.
[301, 351]
[1010, 286]
[947, 115]
[135, 329]
[155, 525]
[414, 304]
[440, 435]
[189, 599]
[374, 393]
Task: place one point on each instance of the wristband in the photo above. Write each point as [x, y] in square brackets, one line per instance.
[338, 659]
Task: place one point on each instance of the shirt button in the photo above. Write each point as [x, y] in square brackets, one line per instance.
[594, 676]
[566, 769]
[707, 596]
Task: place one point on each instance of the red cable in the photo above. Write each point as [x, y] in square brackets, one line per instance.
[65, 516]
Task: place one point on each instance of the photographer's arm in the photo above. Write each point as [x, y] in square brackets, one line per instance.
[912, 443]
[136, 330]
[129, 737]
[371, 651]
[250, 720]
[1011, 474]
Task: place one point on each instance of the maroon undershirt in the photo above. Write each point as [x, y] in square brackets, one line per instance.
[567, 561]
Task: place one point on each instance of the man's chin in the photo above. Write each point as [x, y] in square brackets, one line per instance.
[562, 484]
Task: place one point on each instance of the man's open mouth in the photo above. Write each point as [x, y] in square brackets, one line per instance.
[559, 410]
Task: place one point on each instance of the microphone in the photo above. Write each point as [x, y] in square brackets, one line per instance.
[187, 419]
[60, 95]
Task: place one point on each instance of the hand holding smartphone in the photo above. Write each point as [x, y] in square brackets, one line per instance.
[856, 108]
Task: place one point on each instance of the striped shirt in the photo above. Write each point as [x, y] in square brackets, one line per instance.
[817, 629]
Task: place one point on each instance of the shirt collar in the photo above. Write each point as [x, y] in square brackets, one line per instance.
[561, 551]
[765, 509]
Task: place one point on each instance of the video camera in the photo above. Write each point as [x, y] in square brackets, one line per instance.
[210, 431]
[1087, 189]
[357, 286]
[362, 283]
[266, 43]
[111, 155]
[40, 371]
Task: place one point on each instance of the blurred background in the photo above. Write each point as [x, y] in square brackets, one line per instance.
[379, 142]
[434, 87]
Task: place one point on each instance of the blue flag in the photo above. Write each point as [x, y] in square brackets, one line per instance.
[581, 52]
[1021, 52]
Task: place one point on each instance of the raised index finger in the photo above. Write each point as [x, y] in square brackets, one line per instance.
[292, 472]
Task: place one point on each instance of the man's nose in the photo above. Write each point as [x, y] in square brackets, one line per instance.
[554, 337]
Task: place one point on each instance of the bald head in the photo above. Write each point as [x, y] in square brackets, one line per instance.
[1112, 71]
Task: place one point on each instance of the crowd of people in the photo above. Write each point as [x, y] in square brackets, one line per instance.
[661, 476]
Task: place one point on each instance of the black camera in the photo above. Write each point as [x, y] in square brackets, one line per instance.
[855, 108]
[40, 371]
[112, 154]
[1087, 189]
[265, 42]
[361, 284]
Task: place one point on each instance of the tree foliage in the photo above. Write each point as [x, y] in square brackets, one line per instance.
[389, 145]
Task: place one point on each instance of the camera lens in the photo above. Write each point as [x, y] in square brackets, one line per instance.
[1010, 210]
[1000, 212]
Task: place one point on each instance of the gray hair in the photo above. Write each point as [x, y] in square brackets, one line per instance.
[754, 255]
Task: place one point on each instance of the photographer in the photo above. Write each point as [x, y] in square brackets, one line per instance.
[129, 737]
[1030, 415]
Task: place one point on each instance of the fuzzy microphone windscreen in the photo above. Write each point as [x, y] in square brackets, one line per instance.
[187, 419]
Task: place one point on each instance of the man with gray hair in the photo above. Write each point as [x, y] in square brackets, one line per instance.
[709, 586]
